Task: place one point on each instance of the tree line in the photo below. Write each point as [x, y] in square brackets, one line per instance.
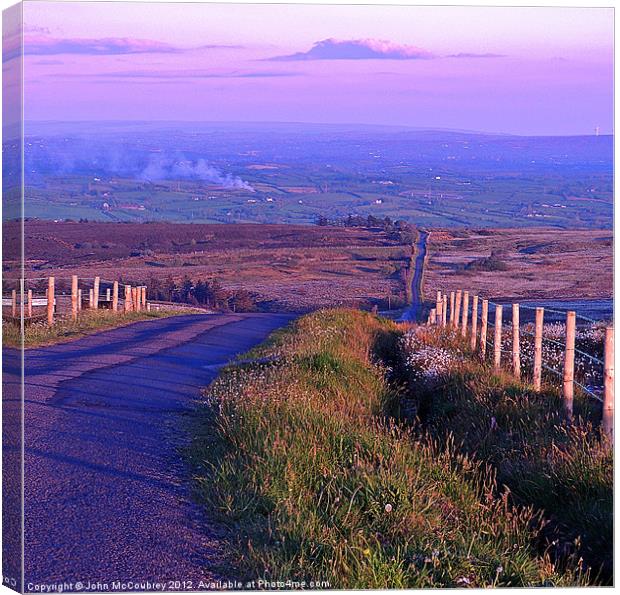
[399, 229]
[202, 292]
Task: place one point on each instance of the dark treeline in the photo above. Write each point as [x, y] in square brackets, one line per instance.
[208, 293]
[399, 229]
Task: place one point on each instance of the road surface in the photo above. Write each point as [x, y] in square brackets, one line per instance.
[412, 313]
[107, 495]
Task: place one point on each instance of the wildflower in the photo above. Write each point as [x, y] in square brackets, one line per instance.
[388, 508]
[463, 580]
[499, 569]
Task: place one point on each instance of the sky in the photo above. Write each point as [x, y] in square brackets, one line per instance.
[514, 70]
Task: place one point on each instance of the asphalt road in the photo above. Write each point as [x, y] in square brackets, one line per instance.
[413, 312]
[107, 495]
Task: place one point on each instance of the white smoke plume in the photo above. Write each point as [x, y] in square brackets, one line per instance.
[166, 168]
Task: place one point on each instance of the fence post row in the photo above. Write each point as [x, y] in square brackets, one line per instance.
[497, 341]
[569, 364]
[474, 322]
[516, 347]
[608, 396]
[439, 314]
[465, 313]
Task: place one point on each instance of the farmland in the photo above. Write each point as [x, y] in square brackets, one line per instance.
[294, 174]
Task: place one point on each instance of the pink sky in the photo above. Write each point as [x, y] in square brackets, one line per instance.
[520, 70]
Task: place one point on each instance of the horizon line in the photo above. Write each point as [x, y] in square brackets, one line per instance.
[406, 127]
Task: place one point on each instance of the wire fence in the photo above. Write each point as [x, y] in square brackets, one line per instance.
[577, 353]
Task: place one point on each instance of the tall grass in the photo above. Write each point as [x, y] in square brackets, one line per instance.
[563, 469]
[316, 484]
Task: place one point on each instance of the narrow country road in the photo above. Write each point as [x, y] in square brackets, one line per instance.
[107, 495]
[412, 313]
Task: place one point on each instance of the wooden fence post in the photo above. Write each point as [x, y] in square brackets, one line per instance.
[144, 296]
[538, 339]
[432, 316]
[438, 306]
[30, 303]
[484, 321]
[608, 397]
[108, 294]
[91, 298]
[457, 308]
[444, 311]
[127, 298]
[474, 323]
[516, 346]
[452, 308]
[465, 313]
[497, 341]
[115, 296]
[136, 302]
[14, 303]
[79, 299]
[50, 301]
[74, 296]
[96, 293]
[569, 364]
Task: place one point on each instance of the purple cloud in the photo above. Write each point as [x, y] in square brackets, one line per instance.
[358, 49]
[43, 45]
[474, 55]
[177, 74]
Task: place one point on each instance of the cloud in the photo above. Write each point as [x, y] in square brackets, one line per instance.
[49, 62]
[358, 49]
[474, 55]
[43, 45]
[176, 75]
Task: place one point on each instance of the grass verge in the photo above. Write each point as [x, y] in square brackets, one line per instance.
[66, 329]
[316, 484]
[563, 469]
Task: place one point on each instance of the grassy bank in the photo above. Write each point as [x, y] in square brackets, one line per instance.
[563, 469]
[66, 329]
[316, 484]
